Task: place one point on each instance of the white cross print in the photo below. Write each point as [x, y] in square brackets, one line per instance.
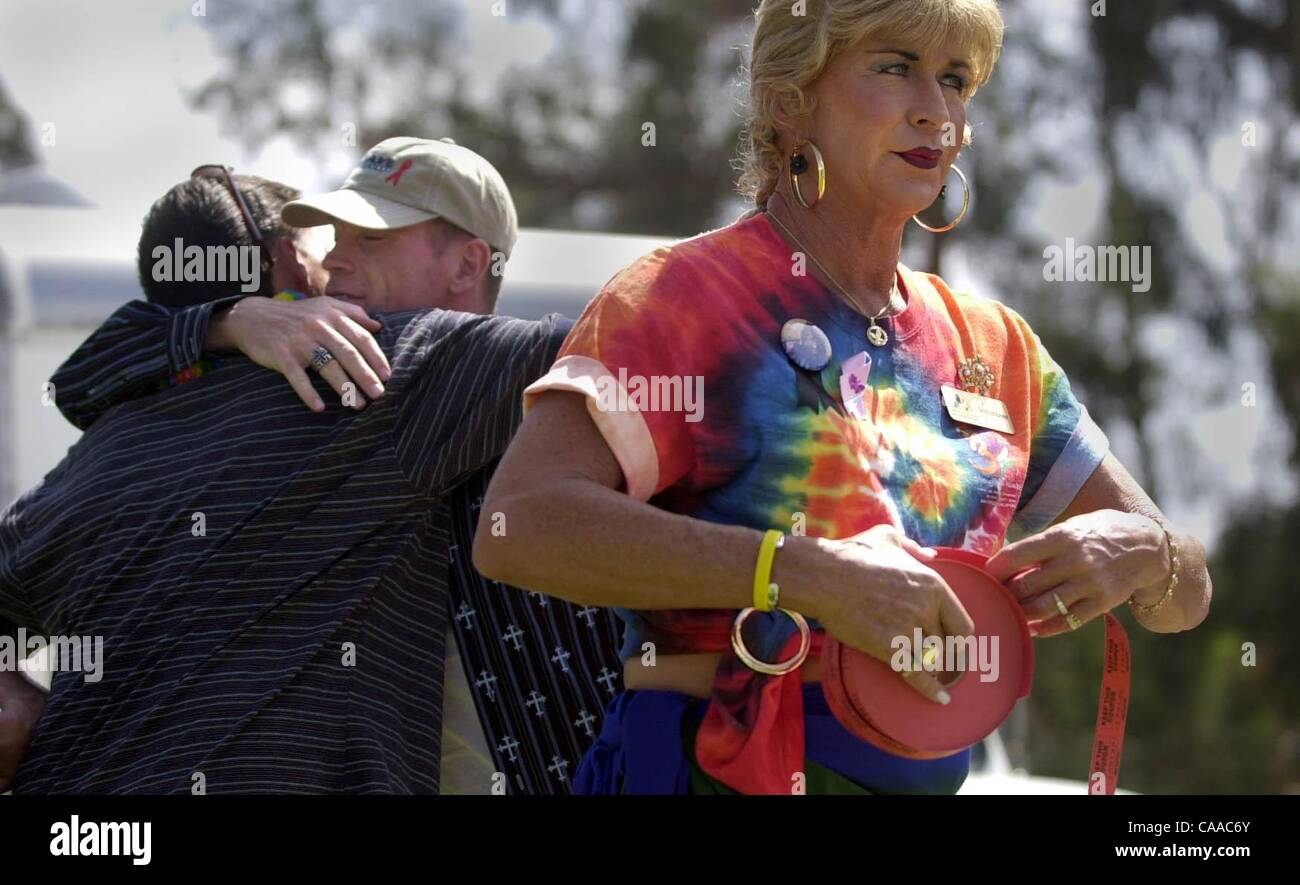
[451, 551]
[538, 702]
[558, 766]
[478, 503]
[512, 636]
[465, 614]
[485, 681]
[562, 658]
[584, 722]
[589, 614]
[509, 745]
[540, 597]
[607, 676]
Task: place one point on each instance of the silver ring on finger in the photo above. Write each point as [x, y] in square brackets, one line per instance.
[320, 358]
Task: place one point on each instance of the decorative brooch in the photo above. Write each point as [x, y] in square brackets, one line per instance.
[975, 376]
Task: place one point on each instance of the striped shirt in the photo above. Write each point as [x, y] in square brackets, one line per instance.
[270, 584]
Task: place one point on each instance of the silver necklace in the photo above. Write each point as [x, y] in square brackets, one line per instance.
[875, 333]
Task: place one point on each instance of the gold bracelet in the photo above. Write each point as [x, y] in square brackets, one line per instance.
[1138, 607]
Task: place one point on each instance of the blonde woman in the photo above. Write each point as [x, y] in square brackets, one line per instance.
[824, 428]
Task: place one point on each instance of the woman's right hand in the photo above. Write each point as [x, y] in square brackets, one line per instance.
[876, 586]
[282, 335]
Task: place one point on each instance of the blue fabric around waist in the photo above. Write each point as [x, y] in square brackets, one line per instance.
[639, 750]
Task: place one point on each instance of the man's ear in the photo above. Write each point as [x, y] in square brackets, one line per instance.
[289, 272]
[475, 263]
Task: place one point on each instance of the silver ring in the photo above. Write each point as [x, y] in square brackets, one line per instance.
[320, 358]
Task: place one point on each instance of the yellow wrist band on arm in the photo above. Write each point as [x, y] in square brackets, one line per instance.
[766, 593]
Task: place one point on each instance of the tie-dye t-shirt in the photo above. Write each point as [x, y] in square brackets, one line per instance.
[770, 446]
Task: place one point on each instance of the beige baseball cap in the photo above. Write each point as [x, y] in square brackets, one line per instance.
[404, 181]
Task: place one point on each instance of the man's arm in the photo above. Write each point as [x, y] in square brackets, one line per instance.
[21, 702]
[458, 381]
[138, 349]
[143, 347]
[21, 705]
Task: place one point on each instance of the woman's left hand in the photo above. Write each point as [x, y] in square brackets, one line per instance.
[1093, 562]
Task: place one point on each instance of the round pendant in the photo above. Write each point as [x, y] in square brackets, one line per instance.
[877, 336]
[806, 345]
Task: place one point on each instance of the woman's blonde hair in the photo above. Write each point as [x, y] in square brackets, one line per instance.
[795, 41]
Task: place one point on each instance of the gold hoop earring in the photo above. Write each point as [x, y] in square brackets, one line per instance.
[799, 165]
[965, 205]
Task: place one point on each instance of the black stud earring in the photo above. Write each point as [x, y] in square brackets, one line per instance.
[798, 164]
[943, 191]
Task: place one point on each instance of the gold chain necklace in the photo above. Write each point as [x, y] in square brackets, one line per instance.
[875, 334]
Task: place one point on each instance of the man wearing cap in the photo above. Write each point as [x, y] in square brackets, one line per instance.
[269, 582]
[395, 216]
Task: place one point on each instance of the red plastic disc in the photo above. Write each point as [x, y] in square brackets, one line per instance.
[874, 702]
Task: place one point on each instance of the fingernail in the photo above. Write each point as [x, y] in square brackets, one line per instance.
[376, 390]
[944, 697]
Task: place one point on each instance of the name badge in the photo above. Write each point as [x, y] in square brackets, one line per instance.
[972, 408]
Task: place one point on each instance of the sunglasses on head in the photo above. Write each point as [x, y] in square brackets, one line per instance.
[218, 172]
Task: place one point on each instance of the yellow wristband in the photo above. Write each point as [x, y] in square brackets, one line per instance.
[766, 593]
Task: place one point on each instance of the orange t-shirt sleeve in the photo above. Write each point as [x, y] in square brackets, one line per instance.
[626, 355]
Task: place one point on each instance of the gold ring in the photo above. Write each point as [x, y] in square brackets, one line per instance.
[1060, 606]
[930, 658]
[753, 663]
[1073, 621]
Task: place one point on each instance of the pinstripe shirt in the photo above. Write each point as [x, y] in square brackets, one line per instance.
[270, 584]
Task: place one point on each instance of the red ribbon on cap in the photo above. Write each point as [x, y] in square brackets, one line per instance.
[397, 176]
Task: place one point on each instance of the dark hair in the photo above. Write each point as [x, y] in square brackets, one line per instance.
[202, 212]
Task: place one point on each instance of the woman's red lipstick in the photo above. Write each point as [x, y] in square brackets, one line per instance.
[922, 158]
